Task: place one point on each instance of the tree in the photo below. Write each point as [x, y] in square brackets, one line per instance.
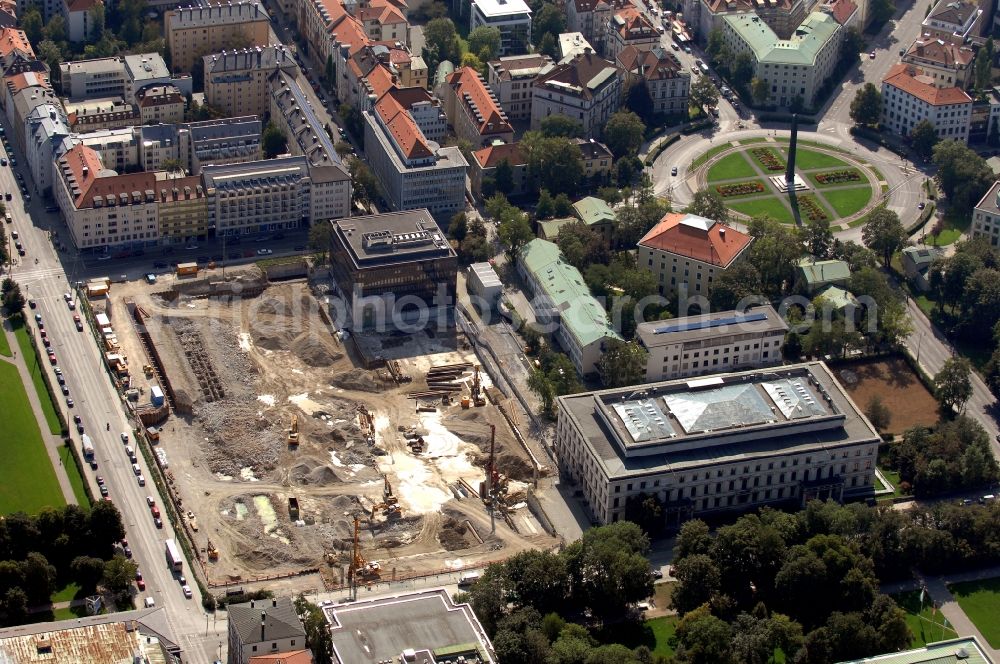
[818, 237]
[853, 46]
[716, 44]
[39, 578]
[639, 101]
[923, 138]
[554, 163]
[561, 125]
[866, 107]
[878, 413]
[549, 21]
[882, 11]
[963, 174]
[742, 70]
[734, 285]
[703, 638]
[319, 240]
[703, 93]
[458, 227]
[318, 638]
[707, 203]
[87, 571]
[775, 249]
[504, 177]
[635, 222]
[31, 23]
[581, 245]
[363, 181]
[13, 300]
[55, 29]
[540, 384]
[119, 573]
[548, 45]
[698, 580]
[484, 41]
[983, 65]
[622, 363]
[105, 525]
[515, 232]
[623, 133]
[273, 141]
[883, 233]
[440, 35]
[952, 384]
[759, 91]
[608, 568]
[330, 73]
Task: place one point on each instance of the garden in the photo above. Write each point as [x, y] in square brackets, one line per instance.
[838, 177]
[768, 159]
[811, 209]
[740, 189]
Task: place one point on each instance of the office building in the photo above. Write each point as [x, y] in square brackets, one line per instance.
[949, 64]
[669, 86]
[783, 16]
[712, 343]
[263, 627]
[393, 255]
[685, 251]
[909, 97]
[512, 17]
[422, 626]
[986, 217]
[117, 77]
[193, 32]
[587, 88]
[236, 81]
[160, 104]
[511, 79]
[473, 111]
[730, 442]
[102, 209]
[563, 303]
[794, 68]
[414, 171]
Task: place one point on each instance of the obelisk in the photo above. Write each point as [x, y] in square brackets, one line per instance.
[790, 170]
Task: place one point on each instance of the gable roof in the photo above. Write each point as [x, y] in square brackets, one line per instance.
[695, 237]
[12, 41]
[82, 168]
[816, 272]
[942, 53]
[592, 149]
[630, 23]
[956, 12]
[581, 76]
[842, 10]
[478, 101]
[402, 127]
[593, 210]
[279, 618]
[838, 297]
[649, 64]
[492, 155]
[912, 81]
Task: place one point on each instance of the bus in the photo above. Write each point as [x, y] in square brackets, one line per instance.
[174, 559]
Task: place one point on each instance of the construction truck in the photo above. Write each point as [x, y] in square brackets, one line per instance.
[362, 570]
[293, 432]
[213, 552]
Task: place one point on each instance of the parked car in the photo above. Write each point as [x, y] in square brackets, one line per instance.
[104, 490]
[264, 252]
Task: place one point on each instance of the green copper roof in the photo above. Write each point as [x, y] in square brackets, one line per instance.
[817, 272]
[801, 49]
[550, 227]
[593, 211]
[838, 297]
[582, 315]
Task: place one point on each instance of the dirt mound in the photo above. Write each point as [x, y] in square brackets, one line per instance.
[452, 535]
[310, 473]
[310, 349]
[360, 381]
[514, 467]
[323, 476]
[273, 306]
[270, 340]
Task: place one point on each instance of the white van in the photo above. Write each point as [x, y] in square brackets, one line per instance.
[468, 579]
[150, 602]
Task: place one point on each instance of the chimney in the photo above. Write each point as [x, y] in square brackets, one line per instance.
[263, 616]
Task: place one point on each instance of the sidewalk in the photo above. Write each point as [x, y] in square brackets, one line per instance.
[52, 443]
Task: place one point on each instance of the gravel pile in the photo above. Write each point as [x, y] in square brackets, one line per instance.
[238, 438]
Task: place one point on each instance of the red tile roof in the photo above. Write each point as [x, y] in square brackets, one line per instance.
[349, 30]
[12, 39]
[489, 157]
[472, 93]
[402, 127]
[686, 235]
[380, 80]
[85, 166]
[842, 10]
[651, 65]
[635, 24]
[292, 657]
[27, 79]
[911, 80]
[943, 53]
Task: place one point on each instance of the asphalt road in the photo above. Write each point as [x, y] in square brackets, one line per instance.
[98, 404]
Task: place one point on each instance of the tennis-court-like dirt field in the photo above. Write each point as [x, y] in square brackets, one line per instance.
[896, 383]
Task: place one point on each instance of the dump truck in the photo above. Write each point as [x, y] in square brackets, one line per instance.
[293, 508]
[156, 395]
[184, 269]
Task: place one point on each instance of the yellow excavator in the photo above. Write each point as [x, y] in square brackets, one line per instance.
[390, 504]
[361, 570]
[293, 432]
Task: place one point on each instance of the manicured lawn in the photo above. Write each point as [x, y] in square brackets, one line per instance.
[5, 345]
[28, 353]
[770, 206]
[708, 155]
[820, 145]
[806, 159]
[654, 634]
[768, 191]
[847, 183]
[733, 167]
[747, 141]
[944, 238]
[846, 202]
[71, 613]
[981, 602]
[27, 480]
[663, 628]
[925, 625]
[66, 593]
[893, 478]
[75, 478]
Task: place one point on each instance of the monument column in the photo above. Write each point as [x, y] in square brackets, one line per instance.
[790, 170]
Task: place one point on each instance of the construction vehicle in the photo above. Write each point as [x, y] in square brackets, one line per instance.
[293, 508]
[390, 504]
[367, 423]
[360, 569]
[293, 432]
[147, 369]
[477, 388]
[213, 552]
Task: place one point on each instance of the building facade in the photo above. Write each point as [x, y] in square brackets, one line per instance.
[233, 140]
[511, 17]
[587, 88]
[46, 128]
[954, 20]
[262, 627]
[732, 442]
[236, 81]
[722, 341]
[182, 209]
[474, 111]
[196, 31]
[629, 27]
[986, 217]
[160, 104]
[511, 79]
[949, 64]
[660, 71]
[909, 97]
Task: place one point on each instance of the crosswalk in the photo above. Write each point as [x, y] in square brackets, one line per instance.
[25, 276]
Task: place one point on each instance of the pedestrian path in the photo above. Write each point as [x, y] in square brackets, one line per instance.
[53, 443]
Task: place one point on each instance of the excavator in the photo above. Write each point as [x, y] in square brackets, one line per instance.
[361, 570]
[478, 398]
[390, 504]
[213, 552]
[293, 432]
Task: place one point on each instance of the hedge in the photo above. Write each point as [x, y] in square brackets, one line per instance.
[658, 150]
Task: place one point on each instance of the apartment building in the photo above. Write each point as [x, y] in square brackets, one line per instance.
[196, 31]
[104, 210]
[685, 251]
[909, 96]
[14, 46]
[262, 627]
[511, 79]
[597, 158]
[79, 18]
[629, 26]
[384, 22]
[722, 341]
[182, 209]
[117, 148]
[484, 167]
[414, 171]
[794, 68]
[954, 20]
[159, 147]
[587, 88]
[160, 104]
[236, 81]
[589, 18]
[732, 442]
[293, 114]
[986, 217]
[473, 111]
[46, 128]
[564, 306]
[224, 141]
[783, 16]
[99, 114]
[949, 64]
[25, 92]
[669, 86]
[512, 17]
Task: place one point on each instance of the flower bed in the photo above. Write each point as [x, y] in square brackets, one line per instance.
[739, 189]
[768, 159]
[811, 209]
[832, 177]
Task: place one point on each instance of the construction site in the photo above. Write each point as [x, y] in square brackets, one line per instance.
[283, 453]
